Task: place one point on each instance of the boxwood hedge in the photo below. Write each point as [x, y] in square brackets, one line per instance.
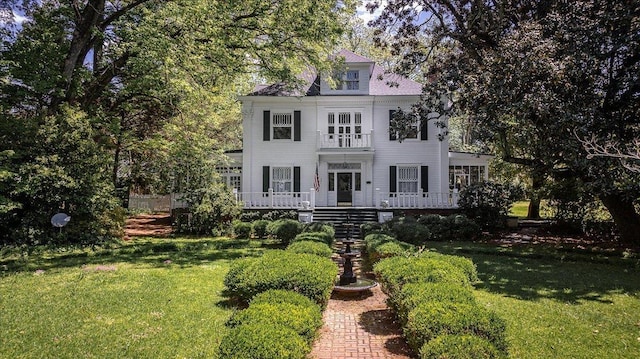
[304, 320]
[460, 347]
[322, 237]
[311, 247]
[413, 294]
[394, 272]
[432, 319]
[285, 230]
[307, 274]
[258, 341]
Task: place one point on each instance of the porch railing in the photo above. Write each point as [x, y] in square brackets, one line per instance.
[344, 140]
[417, 200]
[272, 199]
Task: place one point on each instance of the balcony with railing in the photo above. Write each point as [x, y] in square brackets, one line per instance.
[345, 141]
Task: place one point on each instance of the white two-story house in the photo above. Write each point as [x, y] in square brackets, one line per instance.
[332, 147]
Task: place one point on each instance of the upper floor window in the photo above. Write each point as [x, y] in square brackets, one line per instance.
[352, 80]
[282, 125]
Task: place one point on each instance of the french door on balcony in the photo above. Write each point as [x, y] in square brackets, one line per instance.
[349, 128]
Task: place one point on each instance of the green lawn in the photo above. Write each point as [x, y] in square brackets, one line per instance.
[146, 299]
[559, 305]
[520, 209]
[163, 299]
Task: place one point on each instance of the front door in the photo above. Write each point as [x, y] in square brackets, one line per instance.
[345, 193]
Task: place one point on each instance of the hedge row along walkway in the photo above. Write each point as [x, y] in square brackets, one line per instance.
[360, 327]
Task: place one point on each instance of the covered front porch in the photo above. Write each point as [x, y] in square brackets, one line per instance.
[382, 200]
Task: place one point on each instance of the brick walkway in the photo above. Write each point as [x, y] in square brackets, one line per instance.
[359, 327]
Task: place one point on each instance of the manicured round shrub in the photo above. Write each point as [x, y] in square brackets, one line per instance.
[259, 228]
[237, 272]
[370, 228]
[413, 294]
[375, 239]
[303, 319]
[432, 319]
[390, 249]
[319, 227]
[285, 230]
[465, 264]
[259, 341]
[322, 237]
[460, 347]
[394, 272]
[283, 296]
[241, 229]
[307, 274]
[455, 227]
[411, 232]
[311, 247]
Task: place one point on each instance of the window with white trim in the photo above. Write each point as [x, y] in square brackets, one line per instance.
[282, 124]
[352, 80]
[231, 176]
[408, 179]
[281, 179]
[462, 176]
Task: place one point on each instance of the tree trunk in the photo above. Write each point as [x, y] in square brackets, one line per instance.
[533, 211]
[625, 217]
[537, 182]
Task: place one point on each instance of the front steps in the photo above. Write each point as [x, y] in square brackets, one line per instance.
[338, 217]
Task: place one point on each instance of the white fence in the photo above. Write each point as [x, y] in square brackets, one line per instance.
[152, 203]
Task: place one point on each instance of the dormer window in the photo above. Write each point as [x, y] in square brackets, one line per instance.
[352, 80]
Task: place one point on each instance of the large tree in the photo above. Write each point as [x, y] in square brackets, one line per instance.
[132, 82]
[536, 77]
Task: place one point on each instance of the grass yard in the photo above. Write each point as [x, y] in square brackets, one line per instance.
[559, 305]
[162, 298]
[146, 299]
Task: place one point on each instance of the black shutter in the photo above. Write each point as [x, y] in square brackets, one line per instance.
[266, 125]
[392, 134]
[392, 179]
[265, 178]
[424, 178]
[423, 130]
[296, 125]
[296, 179]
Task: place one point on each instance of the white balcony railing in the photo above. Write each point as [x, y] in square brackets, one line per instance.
[342, 141]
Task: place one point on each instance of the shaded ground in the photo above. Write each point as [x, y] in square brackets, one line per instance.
[148, 225]
[544, 235]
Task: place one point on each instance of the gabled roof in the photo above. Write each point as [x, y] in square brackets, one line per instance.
[380, 83]
[352, 58]
[385, 84]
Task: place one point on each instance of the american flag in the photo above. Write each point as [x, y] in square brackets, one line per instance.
[316, 180]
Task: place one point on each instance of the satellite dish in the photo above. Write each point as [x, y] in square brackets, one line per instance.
[60, 220]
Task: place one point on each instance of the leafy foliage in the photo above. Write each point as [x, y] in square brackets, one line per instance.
[487, 203]
[256, 340]
[212, 210]
[285, 230]
[306, 274]
[152, 86]
[534, 78]
[311, 247]
[460, 347]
